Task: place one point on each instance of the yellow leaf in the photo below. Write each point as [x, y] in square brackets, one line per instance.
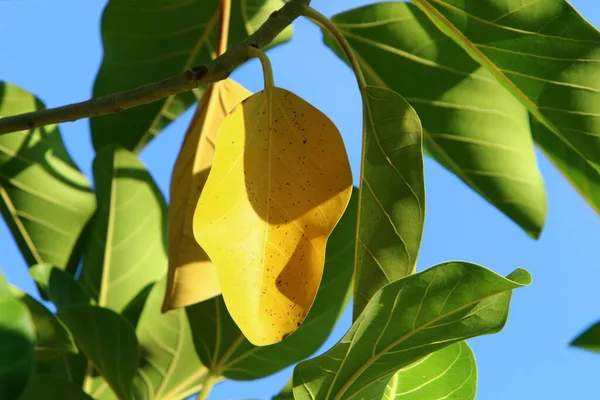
[279, 184]
[192, 277]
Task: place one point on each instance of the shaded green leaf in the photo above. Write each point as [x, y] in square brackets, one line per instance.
[108, 341]
[45, 200]
[126, 248]
[590, 339]
[471, 124]
[148, 41]
[53, 340]
[449, 373]
[404, 321]
[50, 387]
[546, 54]
[391, 215]
[224, 349]
[17, 338]
[70, 367]
[61, 288]
[169, 367]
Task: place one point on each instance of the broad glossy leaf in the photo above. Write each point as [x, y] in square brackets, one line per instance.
[546, 54]
[108, 341]
[590, 339]
[472, 125]
[192, 276]
[60, 287]
[280, 182]
[51, 387]
[126, 248]
[44, 199]
[52, 339]
[17, 338]
[450, 373]
[392, 195]
[225, 350]
[148, 41]
[169, 367]
[406, 320]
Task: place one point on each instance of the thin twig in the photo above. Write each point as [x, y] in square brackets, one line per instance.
[216, 70]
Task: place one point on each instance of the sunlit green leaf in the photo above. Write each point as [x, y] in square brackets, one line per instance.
[169, 366]
[126, 248]
[547, 55]
[450, 373]
[392, 195]
[148, 41]
[44, 199]
[404, 321]
[471, 124]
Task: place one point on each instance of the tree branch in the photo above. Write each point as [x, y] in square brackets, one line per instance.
[216, 70]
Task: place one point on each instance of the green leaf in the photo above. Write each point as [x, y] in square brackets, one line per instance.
[287, 393]
[391, 216]
[44, 199]
[108, 341]
[17, 338]
[169, 367]
[471, 124]
[224, 349]
[51, 387]
[61, 288]
[546, 54]
[584, 177]
[590, 339]
[406, 320]
[148, 41]
[53, 340]
[126, 248]
[450, 373]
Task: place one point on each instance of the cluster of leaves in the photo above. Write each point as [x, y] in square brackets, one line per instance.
[488, 81]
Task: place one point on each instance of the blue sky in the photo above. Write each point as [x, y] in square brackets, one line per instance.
[53, 49]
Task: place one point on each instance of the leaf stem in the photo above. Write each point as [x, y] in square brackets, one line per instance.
[214, 71]
[326, 23]
[266, 66]
[207, 386]
[225, 16]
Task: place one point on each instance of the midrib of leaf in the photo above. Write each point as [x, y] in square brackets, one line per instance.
[103, 290]
[19, 224]
[398, 341]
[269, 103]
[436, 17]
[175, 358]
[203, 40]
[426, 135]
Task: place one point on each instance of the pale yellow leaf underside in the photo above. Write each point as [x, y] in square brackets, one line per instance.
[279, 184]
[192, 276]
